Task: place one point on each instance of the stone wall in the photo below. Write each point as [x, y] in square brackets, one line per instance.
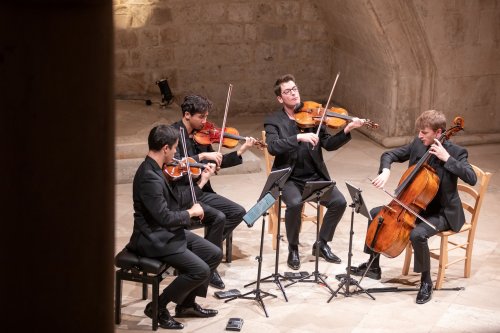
[203, 46]
[396, 58]
[399, 58]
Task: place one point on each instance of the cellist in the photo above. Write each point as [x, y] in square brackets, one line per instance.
[444, 211]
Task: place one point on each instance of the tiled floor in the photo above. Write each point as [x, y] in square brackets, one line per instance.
[474, 309]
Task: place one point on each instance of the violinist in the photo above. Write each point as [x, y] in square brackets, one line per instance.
[293, 148]
[444, 211]
[161, 219]
[195, 110]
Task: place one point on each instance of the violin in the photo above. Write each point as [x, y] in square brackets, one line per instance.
[178, 168]
[211, 134]
[309, 115]
[389, 232]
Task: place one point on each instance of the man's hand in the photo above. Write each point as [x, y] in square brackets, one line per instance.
[249, 142]
[439, 151]
[355, 123]
[311, 138]
[196, 211]
[213, 156]
[381, 180]
[206, 174]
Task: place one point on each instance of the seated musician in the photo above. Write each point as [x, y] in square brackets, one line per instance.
[160, 232]
[292, 148]
[444, 211]
[195, 109]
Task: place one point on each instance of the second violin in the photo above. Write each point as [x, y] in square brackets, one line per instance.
[211, 134]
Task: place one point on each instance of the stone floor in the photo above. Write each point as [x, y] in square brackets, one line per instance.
[474, 309]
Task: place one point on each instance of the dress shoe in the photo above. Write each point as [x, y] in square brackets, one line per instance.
[373, 273]
[425, 293]
[216, 281]
[164, 319]
[293, 259]
[326, 253]
[194, 311]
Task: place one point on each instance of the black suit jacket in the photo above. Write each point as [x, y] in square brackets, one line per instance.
[159, 222]
[228, 160]
[456, 167]
[281, 140]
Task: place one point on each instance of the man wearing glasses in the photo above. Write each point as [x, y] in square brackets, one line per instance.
[292, 147]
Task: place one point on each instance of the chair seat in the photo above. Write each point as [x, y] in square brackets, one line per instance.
[129, 260]
[465, 227]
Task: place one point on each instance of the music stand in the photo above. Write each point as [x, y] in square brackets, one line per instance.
[314, 191]
[358, 206]
[273, 186]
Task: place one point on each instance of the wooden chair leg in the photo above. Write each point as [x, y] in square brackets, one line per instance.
[443, 261]
[408, 254]
[468, 257]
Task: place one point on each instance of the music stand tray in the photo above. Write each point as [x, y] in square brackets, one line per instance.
[312, 188]
[275, 181]
[355, 193]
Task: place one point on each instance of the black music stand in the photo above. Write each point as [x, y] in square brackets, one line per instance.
[276, 277]
[272, 189]
[358, 206]
[314, 191]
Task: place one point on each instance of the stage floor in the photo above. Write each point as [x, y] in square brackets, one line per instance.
[475, 309]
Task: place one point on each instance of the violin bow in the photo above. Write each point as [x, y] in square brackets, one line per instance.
[183, 141]
[225, 117]
[326, 106]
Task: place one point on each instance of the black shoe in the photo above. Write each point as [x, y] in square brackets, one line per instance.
[425, 293]
[194, 311]
[326, 253]
[293, 259]
[216, 281]
[164, 319]
[373, 273]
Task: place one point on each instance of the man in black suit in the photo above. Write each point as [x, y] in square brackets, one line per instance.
[292, 147]
[444, 211]
[160, 222]
[195, 109]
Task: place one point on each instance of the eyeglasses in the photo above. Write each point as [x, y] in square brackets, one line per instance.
[289, 91]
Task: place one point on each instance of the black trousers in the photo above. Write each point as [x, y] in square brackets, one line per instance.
[292, 197]
[419, 238]
[194, 267]
[224, 216]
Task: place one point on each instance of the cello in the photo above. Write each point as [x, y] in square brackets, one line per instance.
[389, 231]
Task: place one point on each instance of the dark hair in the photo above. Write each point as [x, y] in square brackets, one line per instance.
[195, 104]
[162, 135]
[431, 118]
[282, 79]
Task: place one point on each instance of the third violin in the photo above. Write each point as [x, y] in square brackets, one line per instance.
[309, 114]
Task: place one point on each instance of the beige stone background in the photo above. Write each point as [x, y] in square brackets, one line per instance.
[396, 58]
[63, 63]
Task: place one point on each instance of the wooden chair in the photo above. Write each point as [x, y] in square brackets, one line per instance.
[273, 211]
[472, 198]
